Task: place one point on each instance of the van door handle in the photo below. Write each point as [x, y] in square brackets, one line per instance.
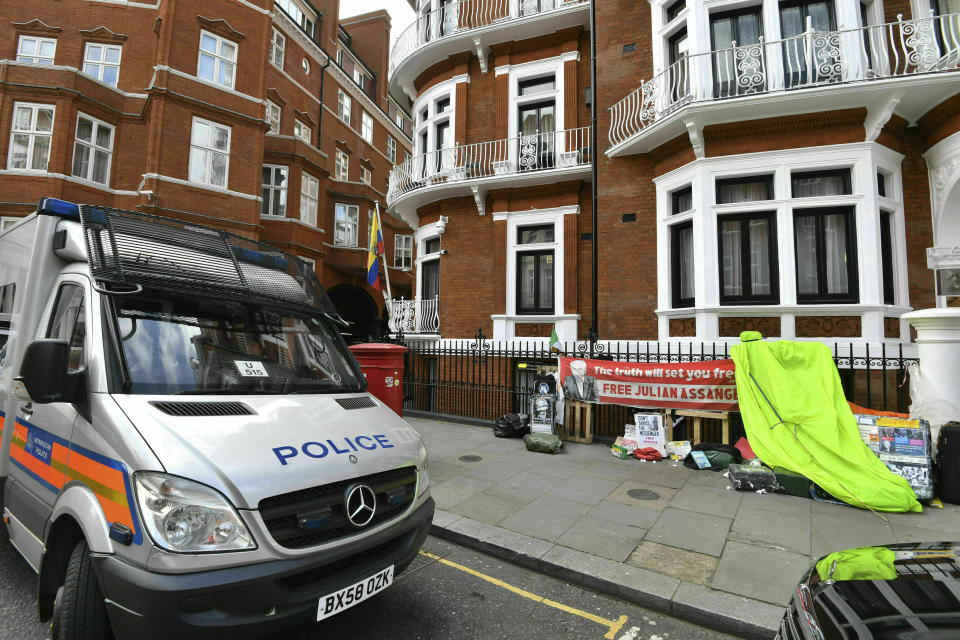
[27, 410]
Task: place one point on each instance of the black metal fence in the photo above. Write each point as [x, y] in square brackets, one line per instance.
[481, 379]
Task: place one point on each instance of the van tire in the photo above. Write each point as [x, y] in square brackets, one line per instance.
[79, 612]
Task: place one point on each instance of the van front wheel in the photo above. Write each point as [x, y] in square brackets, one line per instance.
[79, 612]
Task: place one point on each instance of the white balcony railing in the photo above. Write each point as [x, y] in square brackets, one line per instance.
[522, 155]
[459, 17]
[814, 58]
[414, 316]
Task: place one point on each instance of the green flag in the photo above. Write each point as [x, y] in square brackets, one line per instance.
[555, 340]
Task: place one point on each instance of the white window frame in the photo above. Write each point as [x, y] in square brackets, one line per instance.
[366, 126]
[366, 176]
[403, 248]
[93, 148]
[392, 150]
[515, 221]
[863, 160]
[32, 133]
[273, 107]
[428, 102]
[359, 77]
[36, 58]
[270, 188]
[530, 71]
[310, 262]
[278, 44]
[102, 63]
[302, 131]
[341, 167]
[309, 198]
[344, 106]
[209, 152]
[307, 17]
[218, 58]
[338, 220]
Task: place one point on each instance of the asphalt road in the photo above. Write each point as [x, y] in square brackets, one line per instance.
[440, 596]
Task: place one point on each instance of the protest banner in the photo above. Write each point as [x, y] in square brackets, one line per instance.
[706, 385]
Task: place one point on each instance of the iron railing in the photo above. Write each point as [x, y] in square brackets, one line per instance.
[482, 379]
[521, 155]
[814, 58]
[414, 316]
[463, 16]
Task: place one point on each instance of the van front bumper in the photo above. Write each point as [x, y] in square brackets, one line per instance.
[249, 601]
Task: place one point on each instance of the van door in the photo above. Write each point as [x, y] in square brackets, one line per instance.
[41, 440]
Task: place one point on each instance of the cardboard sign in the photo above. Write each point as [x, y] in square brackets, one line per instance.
[651, 431]
[706, 385]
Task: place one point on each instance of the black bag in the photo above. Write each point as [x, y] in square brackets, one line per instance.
[512, 425]
[720, 455]
[948, 462]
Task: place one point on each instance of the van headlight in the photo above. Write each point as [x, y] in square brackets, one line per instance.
[424, 477]
[188, 517]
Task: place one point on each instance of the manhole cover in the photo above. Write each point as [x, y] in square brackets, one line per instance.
[470, 458]
[641, 494]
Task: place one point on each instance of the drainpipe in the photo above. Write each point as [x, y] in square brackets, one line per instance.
[323, 76]
[594, 334]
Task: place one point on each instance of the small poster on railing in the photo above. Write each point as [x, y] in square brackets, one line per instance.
[708, 385]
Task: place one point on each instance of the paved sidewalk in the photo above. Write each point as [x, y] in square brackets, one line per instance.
[657, 534]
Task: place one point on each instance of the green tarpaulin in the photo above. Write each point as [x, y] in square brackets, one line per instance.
[801, 384]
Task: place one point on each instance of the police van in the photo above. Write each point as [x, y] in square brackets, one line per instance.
[188, 448]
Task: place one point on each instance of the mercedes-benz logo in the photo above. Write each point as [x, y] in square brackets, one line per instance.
[361, 503]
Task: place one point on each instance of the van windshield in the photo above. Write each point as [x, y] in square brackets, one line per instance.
[188, 346]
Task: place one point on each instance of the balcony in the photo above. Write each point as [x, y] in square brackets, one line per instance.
[474, 25]
[903, 65]
[414, 316]
[473, 169]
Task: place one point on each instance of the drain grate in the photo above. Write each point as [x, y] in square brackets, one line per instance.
[470, 458]
[643, 494]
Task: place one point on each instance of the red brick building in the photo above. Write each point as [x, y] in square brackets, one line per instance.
[792, 167]
[267, 118]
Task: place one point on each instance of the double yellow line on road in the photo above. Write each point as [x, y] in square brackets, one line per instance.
[613, 626]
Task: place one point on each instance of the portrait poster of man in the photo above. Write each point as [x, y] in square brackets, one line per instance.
[578, 385]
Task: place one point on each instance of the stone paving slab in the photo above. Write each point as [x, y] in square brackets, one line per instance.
[602, 538]
[698, 532]
[700, 551]
[745, 570]
[546, 518]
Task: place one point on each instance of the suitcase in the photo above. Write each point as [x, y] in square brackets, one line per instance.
[948, 462]
[750, 477]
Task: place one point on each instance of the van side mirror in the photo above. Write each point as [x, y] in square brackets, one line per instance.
[43, 372]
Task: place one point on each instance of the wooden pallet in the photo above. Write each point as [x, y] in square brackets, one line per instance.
[697, 418]
[577, 422]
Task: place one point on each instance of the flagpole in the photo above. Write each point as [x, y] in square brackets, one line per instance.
[386, 270]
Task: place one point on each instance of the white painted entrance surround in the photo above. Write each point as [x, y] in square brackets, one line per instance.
[943, 164]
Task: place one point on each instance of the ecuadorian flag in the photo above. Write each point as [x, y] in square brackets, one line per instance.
[373, 255]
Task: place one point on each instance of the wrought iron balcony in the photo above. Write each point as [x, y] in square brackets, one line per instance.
[414, 316]
[506, 160]
[813, 59]
[463, 20]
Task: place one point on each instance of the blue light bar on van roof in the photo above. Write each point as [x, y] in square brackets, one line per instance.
[58, 208]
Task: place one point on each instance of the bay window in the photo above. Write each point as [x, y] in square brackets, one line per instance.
[681, 259]
[309, 197]
[93, 150]
[209, 153]
[273, 191]
[31, 137]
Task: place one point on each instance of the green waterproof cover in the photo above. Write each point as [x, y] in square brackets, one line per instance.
[800, 381]
[865, 563]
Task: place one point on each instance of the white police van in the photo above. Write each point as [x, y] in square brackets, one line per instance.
[188, 449]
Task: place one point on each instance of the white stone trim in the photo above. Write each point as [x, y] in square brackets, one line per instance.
[207, 187]
[182, 74]
[61, 176]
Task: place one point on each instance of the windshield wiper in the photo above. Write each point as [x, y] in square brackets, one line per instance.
[343, 388]
[228, 392]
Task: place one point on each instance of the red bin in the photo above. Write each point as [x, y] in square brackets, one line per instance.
[382, 366]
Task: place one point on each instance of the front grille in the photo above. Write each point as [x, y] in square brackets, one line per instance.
[281, 514]
[195, 409]
[360, 402]
[373, 557]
